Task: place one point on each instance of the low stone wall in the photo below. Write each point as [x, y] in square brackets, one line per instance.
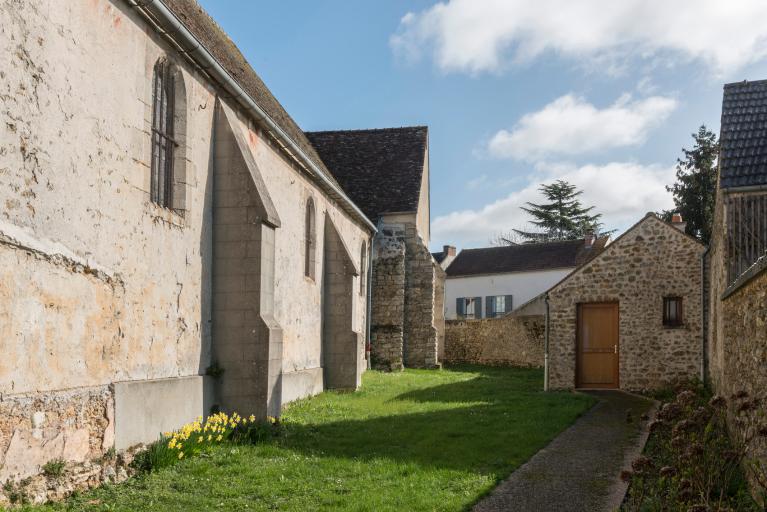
[35, 428]
[505, 341]
[745, 358]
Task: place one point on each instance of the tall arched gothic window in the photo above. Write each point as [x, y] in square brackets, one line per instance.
[363, 269]
[168, 136]
[310, 240]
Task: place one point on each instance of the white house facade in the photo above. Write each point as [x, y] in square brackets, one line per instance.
[492, 281]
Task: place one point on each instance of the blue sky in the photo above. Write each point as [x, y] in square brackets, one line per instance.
[514, 93]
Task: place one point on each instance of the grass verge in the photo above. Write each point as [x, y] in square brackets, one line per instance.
[417, 440]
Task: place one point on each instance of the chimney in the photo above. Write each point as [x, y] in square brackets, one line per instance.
[448, 250]
[588, 240]
[677, 222]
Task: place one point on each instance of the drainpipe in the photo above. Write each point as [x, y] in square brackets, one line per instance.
[166, 22]
[546, 348]
[369, 293]
[704, 317]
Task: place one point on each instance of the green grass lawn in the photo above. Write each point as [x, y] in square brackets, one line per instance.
[418, 440]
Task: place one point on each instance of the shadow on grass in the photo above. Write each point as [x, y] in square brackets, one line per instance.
[504, 421]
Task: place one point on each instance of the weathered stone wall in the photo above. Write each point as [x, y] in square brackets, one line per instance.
[508, 340]
[737, 335]
[97, 283]
[648, 262]
[35, 428]
[744, 362]
[420, 335]
[388, 304]
[407, 303]
[439, 309]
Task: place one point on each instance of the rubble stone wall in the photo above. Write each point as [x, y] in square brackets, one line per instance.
[503, 341]
[651, 261]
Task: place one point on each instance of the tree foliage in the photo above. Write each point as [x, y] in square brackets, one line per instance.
[695, 188]
[563, 217]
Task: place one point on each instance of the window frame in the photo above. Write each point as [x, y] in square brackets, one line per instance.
[164, 143]
[310, 240]
[678, 310]
[469, 301]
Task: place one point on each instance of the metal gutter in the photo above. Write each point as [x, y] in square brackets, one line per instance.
[158, 14]
[747, 188]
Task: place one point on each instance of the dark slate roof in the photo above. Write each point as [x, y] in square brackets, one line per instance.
[743, 136]
[439, 256]
[524, 257]
[380, 170]
[218, 43]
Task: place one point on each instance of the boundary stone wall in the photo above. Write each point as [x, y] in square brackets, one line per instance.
[504, 341]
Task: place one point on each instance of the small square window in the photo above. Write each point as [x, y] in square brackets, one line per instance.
[672, 311]
[499, 304]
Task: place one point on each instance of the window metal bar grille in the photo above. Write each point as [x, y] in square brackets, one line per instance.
[163, 143]
[746, 232]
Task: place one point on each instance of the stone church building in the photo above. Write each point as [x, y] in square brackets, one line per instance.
[171, 241]
[386, 172]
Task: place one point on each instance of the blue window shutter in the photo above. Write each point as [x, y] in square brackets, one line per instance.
[478, 307]
[508, 306]
[489, 306]
[460, 307]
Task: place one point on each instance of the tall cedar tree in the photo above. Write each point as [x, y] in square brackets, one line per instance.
[695, 188]
[563, 217]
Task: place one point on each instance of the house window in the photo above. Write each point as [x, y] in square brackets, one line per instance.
[363, 272]
[672, 311]
[497, 305]
[469, 307]
[310, 240]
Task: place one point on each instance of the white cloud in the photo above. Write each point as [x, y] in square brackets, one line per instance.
[570, 125]
[477, 36]
[477, 182]
[622, 192]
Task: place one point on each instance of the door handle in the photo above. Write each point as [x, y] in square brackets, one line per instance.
[615, 348]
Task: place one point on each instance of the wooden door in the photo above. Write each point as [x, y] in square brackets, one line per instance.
[598, 347]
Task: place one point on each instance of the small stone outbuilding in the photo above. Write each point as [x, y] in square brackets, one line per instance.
[631, 318]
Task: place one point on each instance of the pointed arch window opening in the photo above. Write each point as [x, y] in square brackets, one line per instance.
[163, 142]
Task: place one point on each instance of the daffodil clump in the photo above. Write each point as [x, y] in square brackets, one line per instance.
[201, 434]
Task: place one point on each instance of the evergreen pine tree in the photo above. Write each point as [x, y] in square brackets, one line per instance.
[695, 188]
[563, 217]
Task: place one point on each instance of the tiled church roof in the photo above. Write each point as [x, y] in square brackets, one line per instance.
[743, 137]
[524, 257]
[218, 43]
[380, 169]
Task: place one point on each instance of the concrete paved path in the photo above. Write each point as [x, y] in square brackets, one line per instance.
[580, 469]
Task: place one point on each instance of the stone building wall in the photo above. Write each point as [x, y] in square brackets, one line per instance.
[509, 340]
[737, 334]
[439, 308]
[651, 260]
[744, 362]
[420, 334]
[99, 286]
[407, 317]
[388, 304]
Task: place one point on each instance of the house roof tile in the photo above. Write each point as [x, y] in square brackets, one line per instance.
[223, 49]
[743, 136]
[380, 169]
[524, 257]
